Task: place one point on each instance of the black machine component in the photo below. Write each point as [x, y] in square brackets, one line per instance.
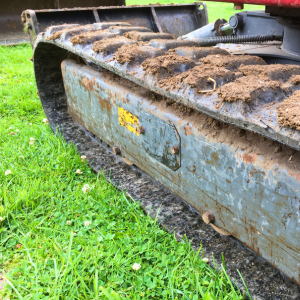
[237, 39]
[273, 34]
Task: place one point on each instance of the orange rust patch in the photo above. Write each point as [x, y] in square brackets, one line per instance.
[250, 158]
[105, 105]
[188, 130]
[214, 160]
[295, 175]
[87, 83]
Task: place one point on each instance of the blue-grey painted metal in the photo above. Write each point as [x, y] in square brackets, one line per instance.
[253, 197]
[160, 137]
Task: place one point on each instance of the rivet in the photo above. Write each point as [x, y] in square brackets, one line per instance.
[141, 130]
[116, 150]
[208, 217]
[175, 150]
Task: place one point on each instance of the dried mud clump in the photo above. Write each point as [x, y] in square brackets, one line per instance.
[135, 53]
[295, 79]
[274, 72]
[167, 64]
[134, 35]
[110, 45]
[127, 53]
[90, 36]
[246, 88]
[146, 36]
[200, 77]
[55, 35]
[232, 62]
[86, 37]
[288, 112]
[197, 53]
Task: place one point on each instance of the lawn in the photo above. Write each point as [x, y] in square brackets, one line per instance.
[59, 240]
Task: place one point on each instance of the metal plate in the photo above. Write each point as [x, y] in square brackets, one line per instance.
[160, 136]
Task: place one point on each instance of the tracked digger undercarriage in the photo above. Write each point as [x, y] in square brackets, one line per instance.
[210, 111]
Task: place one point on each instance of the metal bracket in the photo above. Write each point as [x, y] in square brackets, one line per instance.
[161, 140]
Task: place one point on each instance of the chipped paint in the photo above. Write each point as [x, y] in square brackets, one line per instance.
[128, 120]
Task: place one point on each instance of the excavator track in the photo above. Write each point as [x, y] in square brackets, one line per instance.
[199, 122]
[184, 80]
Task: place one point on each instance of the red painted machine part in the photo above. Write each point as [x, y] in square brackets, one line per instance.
[283, 3]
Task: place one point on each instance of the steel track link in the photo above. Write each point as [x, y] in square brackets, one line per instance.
[257, 116]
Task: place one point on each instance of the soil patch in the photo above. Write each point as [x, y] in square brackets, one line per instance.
[274, 72]
[90, 36]
[57, 34]
[111, 45]
[288, 112]
[198, 52]
[232, 62]
[295, 79]
[167, 64]
[146, 36]
[128, 53]
[200, 77]
[246, 88]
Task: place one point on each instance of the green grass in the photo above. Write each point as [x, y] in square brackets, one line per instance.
[216, 10]
[42, 254]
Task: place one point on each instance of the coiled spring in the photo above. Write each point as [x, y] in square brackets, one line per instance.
[240, 39]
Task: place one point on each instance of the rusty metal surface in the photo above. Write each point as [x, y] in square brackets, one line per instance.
[11, 27]
[263, 280]
[255, 200]
[258, 116]
[159, 138]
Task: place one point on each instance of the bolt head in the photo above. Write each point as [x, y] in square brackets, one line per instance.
[175, 150]
[208, 217]
[141, 130]
[116, 150]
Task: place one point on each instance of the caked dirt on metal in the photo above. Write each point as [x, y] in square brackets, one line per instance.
[288, 111]
[87, 37]
[253, 144]
[111, 45]
[167, 65]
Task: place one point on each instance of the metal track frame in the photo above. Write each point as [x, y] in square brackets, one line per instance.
[172, 212]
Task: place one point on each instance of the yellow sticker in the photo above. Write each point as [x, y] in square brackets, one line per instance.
[128, 120]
